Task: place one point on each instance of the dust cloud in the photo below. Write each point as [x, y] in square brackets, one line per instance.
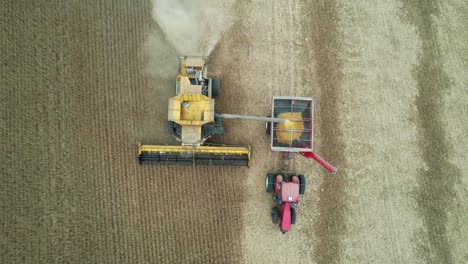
[193, 27]
[185, 28]
[161, 58]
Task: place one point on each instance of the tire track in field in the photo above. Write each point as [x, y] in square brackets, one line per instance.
[330, 225]
[45, 197]
[437, 177]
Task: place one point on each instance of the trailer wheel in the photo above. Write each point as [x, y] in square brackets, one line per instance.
[302, 184]
[268, 127]
[269, 183]
[293, 216]
[215, 86]
[275, 215]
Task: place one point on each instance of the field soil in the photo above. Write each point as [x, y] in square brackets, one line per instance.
[81, 82]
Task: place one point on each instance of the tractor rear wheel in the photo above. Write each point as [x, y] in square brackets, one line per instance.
[293, 216]
[215, 86]
[269, 183]
[302, 184]
[275, 215]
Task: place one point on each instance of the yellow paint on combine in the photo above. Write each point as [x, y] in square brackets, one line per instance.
[194, 149]
[192, 98]
[290, 130]
[191, 109]
[185, 87]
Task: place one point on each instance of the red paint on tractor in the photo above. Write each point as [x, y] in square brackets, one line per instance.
[278, 181]
[289, 192]
[285, 224]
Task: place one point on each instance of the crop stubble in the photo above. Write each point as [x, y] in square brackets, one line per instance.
[73, 191]
[77, 97]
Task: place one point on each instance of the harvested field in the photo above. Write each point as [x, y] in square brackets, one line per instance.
[82, 81]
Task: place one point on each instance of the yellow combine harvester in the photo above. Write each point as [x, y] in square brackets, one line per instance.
[192, 120]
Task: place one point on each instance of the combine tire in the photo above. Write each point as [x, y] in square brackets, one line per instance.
[269, 183]
[275, 215]
[293, 216]
[302, 184]
[215, 86]
[170, 127]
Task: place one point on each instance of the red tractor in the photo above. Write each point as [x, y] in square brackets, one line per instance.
[294, 134]
[286, 190]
